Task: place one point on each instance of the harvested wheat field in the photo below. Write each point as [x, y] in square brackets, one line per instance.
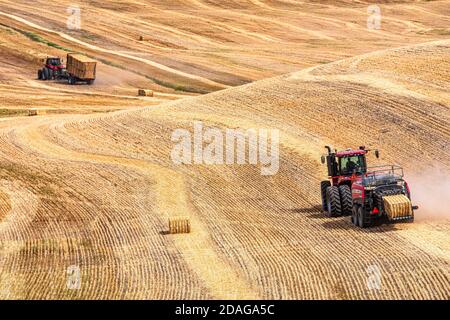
[89, 182]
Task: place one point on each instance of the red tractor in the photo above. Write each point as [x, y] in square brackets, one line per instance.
[53, 69]
[79, 69]
[367, 194]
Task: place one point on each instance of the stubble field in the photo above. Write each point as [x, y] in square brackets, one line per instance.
[89, 182]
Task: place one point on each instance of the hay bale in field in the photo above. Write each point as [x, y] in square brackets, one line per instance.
[81, 66]
[397, 207]
[32, 112]
[179, 225]
[145, 93]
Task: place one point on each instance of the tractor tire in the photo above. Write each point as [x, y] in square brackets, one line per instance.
[323, 191]
[46, 74]
[90, 82]
[364, 220]
[39, 74]
[333, 202]
[346, 199]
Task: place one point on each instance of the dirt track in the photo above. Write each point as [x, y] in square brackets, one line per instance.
[95, 191]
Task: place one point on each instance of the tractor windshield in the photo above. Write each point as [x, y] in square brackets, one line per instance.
[54, 62]
[350, 164]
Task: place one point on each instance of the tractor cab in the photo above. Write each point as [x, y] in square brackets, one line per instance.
[350, 162]
[53, 69]
[54, 63]
[346, 163]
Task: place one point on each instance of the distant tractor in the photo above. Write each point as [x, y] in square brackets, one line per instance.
[367, 194]
[53, 68]
[79, 69]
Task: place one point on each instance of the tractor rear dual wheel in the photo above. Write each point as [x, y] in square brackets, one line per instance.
[39, 74]
[346, 199]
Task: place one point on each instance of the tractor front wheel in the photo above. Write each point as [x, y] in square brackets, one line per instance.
[323, 190]
[333, 202]
[46, 74]
[346, 199]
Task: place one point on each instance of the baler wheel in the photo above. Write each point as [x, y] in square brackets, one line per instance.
[364, 219]
[355, 215]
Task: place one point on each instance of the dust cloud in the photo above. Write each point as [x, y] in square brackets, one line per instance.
[430, 190]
